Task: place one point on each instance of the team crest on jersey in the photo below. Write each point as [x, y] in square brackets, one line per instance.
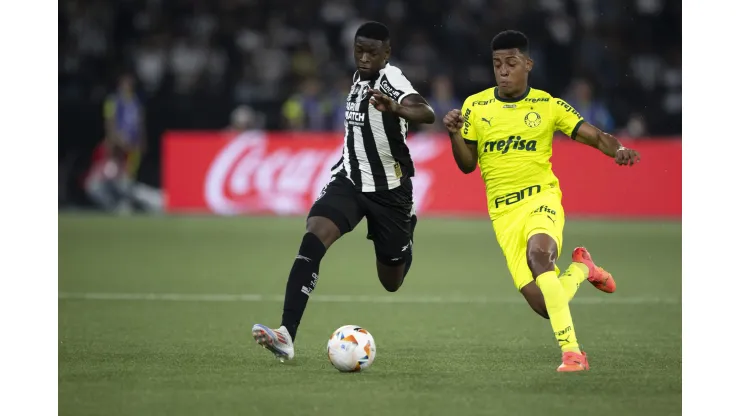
[364, 91]
[358, 90]
[532, 119]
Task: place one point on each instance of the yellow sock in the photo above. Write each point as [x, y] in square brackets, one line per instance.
[572, 279]
[557, 307]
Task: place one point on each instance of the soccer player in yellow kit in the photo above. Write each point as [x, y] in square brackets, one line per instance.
[508, 131]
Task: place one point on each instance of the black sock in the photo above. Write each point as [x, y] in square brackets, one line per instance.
[410, 256]
[301, 281]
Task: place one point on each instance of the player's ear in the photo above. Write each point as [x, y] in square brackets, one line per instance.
[529, 64]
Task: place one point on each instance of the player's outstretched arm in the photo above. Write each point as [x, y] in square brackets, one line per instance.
[466, 154]
[607, 144]
[413, 107]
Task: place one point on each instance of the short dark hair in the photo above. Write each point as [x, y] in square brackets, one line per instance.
[510, 39]
[374, 30]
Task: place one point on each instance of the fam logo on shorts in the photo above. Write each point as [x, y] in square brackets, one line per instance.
[532, 119]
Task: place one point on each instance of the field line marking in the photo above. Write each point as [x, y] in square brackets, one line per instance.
[421, 299]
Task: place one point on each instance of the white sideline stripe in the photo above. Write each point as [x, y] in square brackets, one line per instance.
[252, 297]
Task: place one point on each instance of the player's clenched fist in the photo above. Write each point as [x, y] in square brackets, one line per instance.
[453, 121]
[626, 156]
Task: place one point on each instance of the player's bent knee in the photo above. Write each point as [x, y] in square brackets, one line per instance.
[542, 252]
[540, 262]
[324, 229]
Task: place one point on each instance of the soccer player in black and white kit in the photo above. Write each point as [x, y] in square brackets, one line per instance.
[372, 180]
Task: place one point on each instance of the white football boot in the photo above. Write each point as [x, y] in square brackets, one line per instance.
[278, 341]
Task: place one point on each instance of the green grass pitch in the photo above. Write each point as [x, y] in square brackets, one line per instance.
[456, 339]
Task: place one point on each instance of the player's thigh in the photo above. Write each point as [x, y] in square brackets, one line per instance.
[510, 238]
[389, 222]
[339, 202]
[546, 217]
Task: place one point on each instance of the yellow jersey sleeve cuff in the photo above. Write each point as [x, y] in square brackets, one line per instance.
[575, 129]
[470, 141]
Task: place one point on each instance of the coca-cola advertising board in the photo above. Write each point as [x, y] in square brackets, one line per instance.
[283, 173]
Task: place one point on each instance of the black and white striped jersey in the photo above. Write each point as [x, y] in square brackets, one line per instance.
[375, 155]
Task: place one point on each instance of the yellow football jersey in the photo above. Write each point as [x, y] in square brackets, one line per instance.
[514, 138]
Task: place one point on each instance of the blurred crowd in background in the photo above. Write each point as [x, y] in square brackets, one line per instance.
[287, 64]
[615, 60]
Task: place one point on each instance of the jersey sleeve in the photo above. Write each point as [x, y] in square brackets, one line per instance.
[468, 132]
[396, 85]
[567, 119]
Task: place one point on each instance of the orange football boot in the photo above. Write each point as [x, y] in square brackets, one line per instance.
[600, 278]
[573, 361]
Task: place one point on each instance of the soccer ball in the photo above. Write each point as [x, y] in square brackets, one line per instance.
[351, 348]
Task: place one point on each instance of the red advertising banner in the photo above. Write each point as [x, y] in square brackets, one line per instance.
[283, 173]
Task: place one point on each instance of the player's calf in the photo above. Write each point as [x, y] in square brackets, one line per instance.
[392, 271]
[391, 276]
[393, 258]
[321, 233]
[542, 251]
[410, 256]
[533, 295]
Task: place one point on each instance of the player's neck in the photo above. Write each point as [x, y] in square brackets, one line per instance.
[369, 77]
[512, 97]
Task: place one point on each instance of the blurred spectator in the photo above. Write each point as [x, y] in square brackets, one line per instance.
[635, 127]
[107, 183]
[244, 118]
[303, 62]
[254, 51]
[442, 99]
[593, 110]
[116, 159]
[419, 56]
[338, 100]
[308, 109]
[671, 83]
[125, 127]
[151, 63]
